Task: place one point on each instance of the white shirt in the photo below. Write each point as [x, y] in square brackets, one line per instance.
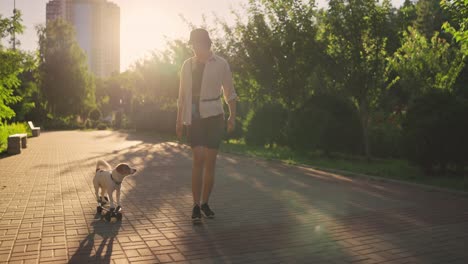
[217, 79]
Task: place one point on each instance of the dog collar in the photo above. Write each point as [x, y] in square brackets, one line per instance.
[116, 182]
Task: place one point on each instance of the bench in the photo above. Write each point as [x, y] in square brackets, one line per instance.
[16, 142]
[36, 131]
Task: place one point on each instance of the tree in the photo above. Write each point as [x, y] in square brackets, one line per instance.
[434, 132]
[155, 79]
[9, 27]
[430, 17]
[30, 105]
[12, 64]
[274, 53]
[65, 81]
[421, 65]
[10, 68]
[458, 11]
[354, 33]
[406, 15]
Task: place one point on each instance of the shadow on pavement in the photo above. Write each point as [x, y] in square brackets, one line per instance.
[271, 212]
[97, 247]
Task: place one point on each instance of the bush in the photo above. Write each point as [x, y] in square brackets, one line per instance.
[242, 109]
[238, 130]
[101, 126]
[325, 122]
[265, 125]
[151, 117]
[61, 123]
[385, 138]
[435, 132]
[6, 130]
[118, 120]
[94, 114]
[88, 124]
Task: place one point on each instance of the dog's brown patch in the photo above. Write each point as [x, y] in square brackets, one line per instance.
[124, 169]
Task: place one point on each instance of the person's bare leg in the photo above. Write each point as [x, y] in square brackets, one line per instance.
[209, 171]
[197, 173]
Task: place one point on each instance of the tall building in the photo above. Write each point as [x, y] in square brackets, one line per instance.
[58, 9]
[97, 26]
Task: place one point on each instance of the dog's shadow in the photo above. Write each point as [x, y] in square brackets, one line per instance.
[103, 233]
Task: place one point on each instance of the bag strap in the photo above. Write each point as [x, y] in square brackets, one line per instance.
[212, 99]
[203, 100]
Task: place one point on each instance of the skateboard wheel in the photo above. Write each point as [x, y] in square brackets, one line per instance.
[119, 217]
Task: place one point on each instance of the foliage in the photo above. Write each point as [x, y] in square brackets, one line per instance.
[347, 165]
[149, 88]
[155, 79]
[406, 15]
[326, 122]
[356, 41]
[94, 114]
[65, 82]
[61, 123]
[118, 119]
[101, 126]
[116, 93]
[386, 136]
[9, 27]
[435, 131]
[265, 125]
[12, 64]
[10, 129]
[458, 11]
[274, 53]
[340, 79]
[30, 106]
[429, 17]
[155, 117]
[421, 65]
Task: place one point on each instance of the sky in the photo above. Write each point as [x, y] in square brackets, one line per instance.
[145, 25]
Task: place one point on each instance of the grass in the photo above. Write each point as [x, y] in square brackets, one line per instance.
[6, 130]
[386, 168]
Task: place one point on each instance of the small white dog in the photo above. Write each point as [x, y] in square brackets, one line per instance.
[110, 180]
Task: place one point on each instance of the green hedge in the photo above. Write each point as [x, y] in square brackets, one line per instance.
[152, 116]
[326, 122]
[61, 123]
[265, 125]
[435, 132]
[10, 129]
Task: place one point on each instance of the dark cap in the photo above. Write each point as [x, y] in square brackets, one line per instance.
[199, 35]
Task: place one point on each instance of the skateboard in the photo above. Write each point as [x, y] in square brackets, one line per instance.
[110, 213]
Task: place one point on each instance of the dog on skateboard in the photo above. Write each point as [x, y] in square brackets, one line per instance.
[110, 179]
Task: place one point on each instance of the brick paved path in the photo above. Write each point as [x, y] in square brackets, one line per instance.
[266, 212]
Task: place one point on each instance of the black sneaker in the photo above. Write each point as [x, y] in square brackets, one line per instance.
[207, 211]
[196, 214]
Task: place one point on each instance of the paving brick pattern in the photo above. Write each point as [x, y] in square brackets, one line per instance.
[265, 212]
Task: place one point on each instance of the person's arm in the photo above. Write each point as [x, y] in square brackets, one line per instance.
[180, 105]
[230, 96]
[232, 115]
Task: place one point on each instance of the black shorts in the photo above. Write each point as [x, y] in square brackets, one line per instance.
[206, 132]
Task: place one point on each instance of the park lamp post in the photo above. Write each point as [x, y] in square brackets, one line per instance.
[14, 20]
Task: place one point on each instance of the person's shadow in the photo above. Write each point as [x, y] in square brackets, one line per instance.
[107, 232]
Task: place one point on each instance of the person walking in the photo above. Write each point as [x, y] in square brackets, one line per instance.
[204, 79]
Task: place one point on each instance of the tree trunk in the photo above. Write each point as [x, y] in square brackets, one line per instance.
[364, 118]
